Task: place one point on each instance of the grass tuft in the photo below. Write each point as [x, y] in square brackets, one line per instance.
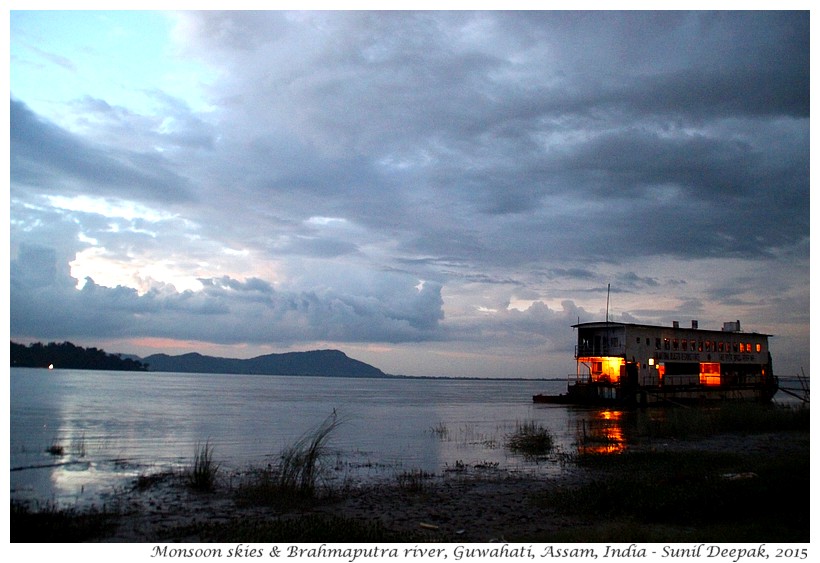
[202, 474]
[531, 440]
[301, 464]
[414, 481]
[300, 468]
[441, 431]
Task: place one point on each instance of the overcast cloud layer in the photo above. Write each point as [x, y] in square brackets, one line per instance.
[436, 193]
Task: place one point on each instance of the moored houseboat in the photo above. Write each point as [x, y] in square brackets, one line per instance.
[637, 364]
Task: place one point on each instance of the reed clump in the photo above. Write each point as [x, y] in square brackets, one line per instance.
[55, 449]
[414, 481]
[530, 439]
[441, 431]
[301, 466]
[203, 472]
[302, 462]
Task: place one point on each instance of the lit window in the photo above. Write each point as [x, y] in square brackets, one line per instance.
[757, 347]
[710, 373]
[605, 369]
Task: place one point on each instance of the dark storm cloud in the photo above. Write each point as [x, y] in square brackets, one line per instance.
[59, 162]
[385, 167]
[434, 123]
[250, 286]
[318, 247]
[573, 273]
[537, 326]
[692, 64]
[35, 267]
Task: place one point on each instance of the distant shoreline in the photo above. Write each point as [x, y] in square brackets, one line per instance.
[385, 376]
[311, 363]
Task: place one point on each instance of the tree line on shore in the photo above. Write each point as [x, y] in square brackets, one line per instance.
[69, 356]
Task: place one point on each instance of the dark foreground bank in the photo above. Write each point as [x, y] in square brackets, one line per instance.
[724, 488]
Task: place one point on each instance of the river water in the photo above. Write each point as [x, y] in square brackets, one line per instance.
[78, 436]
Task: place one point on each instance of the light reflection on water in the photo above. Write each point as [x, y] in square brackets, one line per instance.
[115, 426]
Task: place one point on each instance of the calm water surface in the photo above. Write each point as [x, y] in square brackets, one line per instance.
[114, 426]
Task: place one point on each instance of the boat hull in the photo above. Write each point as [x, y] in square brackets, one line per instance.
[601, 394]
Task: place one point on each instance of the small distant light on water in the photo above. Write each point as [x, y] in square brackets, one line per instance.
[50, 366]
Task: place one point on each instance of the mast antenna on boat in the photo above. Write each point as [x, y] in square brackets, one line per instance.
[607, 302]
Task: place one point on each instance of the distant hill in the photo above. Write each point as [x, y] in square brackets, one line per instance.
[317, 362]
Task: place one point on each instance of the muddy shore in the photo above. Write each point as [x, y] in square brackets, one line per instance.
[469, 506]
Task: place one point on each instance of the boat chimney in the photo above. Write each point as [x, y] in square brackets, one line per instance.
[694, 323]
[675, 324]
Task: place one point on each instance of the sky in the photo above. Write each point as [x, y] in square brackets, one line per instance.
[437, 193]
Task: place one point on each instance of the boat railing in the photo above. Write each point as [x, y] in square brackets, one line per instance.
[592, 350]
[680, 380]
[599, 350]
[738, 381]
[688, 380]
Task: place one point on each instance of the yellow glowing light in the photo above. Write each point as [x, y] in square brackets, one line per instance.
[604, 368]
[604, 434]
[710, 373]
